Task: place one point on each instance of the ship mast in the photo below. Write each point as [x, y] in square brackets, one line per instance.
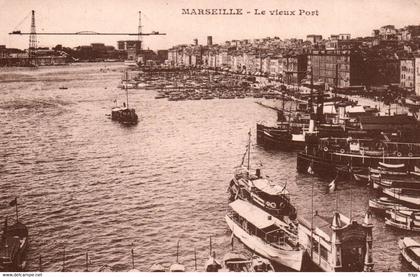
[249, 148]
[126, 86]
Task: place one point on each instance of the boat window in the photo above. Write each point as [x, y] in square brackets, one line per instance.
[324, 253]
[314, 244]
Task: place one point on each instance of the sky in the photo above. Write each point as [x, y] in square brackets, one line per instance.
[357, 17]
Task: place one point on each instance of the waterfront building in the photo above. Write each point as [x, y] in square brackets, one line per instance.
[314, 39]
[417, 74]
[341, 68]
[294, 67]
[407, 73]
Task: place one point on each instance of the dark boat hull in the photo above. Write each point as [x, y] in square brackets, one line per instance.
[329, 164]
[271, 137]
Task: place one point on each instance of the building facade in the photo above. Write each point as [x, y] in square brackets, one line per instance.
[407, 73]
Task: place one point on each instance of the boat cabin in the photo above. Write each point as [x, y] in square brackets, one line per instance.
[124, 115]
[257, 222]
[338, 243]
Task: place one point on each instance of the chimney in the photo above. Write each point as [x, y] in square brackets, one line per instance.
[195, 42]
[209, 40]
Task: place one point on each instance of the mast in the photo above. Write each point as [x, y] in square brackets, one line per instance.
[132, 257]
[312, 220]
[16, 206]
[351, 202]
[249, 148]
[87, 261]
[177, 249]
[126, 86]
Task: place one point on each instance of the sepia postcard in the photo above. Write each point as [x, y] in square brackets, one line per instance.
[209, 136]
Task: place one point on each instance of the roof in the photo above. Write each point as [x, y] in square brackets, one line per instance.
[268, 187]
[355, 109]
[254, 215]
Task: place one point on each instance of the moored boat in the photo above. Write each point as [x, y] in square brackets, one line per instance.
[386, 203]
[235, 262]
[260, 191]
[402, 226]
[410, 250]
[410, 196]
[266, 235]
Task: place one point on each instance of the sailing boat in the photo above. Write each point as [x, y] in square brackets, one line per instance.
[177, 267]
[259, 190]
[212, 265]
[124, 114]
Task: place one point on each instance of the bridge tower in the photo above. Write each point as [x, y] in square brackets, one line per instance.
[32, 42]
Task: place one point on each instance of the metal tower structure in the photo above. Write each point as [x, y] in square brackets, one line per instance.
[139, 37]
[32, 42]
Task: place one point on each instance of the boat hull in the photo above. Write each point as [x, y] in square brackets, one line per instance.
[405, 252]
[290, 258]
[401, 226]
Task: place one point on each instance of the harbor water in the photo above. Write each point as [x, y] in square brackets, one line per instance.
[86, 183]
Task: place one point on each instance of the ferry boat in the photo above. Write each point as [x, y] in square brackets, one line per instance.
[338, 243]
[266, 235]
[124, 114]
[259, 190]
[410, 250]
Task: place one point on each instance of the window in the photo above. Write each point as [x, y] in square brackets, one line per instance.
[324, 253]
[314, 244]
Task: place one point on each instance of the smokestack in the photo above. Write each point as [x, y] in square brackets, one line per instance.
[209, 41]
[195, 42]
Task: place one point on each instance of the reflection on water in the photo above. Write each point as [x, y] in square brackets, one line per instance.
[86, 183]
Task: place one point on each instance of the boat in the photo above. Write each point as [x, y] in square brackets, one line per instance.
[14, 244]
[265, 235]
[410, 196]
[124, 114]
[177, 267]
[259, 264]
[410, 250]
[235, 262]
[337, 244]
[386, 203]
[410, 218]
[212, 264]
[63, 87]
[327, 156]
[400, 225]
[157, 268]
[260, 191]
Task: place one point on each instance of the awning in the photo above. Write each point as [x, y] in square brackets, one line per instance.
[254, 215]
